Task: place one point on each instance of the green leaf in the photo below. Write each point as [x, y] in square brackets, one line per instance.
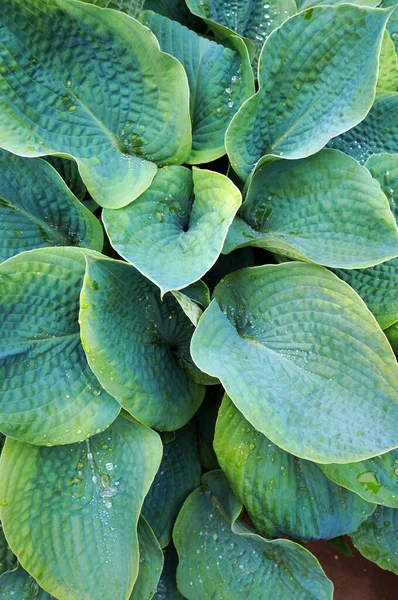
[167, 588]
[178, 475]
[91, 83]
[378, 133]
[8, 561]
[130, 7]
[325, 208]
[182, 219]
[221, 557]
[138, 345]
[388, 69]
[192, 298]
[376, 538]
[69, 172]
[295, 349]
[49, 394]
[151, 563]
[304, 100]
[78, 506]
[375, 479]
[378, 286]
[20, 585]
[254, 20]
[38, 210]
[284, 495]
[220, 80]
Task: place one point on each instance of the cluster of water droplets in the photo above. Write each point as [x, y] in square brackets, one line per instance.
[390, 181]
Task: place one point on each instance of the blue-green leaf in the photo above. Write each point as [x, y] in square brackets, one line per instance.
[48, 393]
[220, 557]
[38, 210]
[377, 538]
[295, 349]
[91, 83]
[178, 475]
[220, 80]
[317, 76]
[325, 208]
[138, 345]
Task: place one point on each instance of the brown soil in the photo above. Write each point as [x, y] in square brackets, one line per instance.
[354, 578]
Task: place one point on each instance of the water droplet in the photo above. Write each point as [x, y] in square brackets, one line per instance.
[109, 466]
[231, 103]
[72, 108]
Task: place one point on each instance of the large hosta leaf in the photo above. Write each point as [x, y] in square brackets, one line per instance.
[78, 506]
[283, 495]
[220, 79]
[252, 19]
[317, 76]
[20, 585]
[38, 210]
[295, 349]
[375, 479]
[137, 345]
[377, 538]
[91, 83]
[48, 393]
[325, 208]
[378, 286]
[376, 134]
[221, 558]
[178, 475]
[182, 219]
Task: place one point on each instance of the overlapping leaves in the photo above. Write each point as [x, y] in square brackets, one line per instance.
[116, 99]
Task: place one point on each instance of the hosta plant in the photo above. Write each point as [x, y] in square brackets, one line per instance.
[198, 295]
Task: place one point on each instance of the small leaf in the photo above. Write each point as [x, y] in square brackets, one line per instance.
[182, 219]
[284, 495]
[304, 99]
[138, 345]
[38, 210]
[192, 298]
[375, 479]
[295, 348]
[78, 506]
[325, 208]
[220, 80]
[220, 557]
[151, 563]
[20, 585]
[49, 394]
[91, 83]
[178, 475]
[376, 538]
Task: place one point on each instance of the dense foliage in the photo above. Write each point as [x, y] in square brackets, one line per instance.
[199, 295]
